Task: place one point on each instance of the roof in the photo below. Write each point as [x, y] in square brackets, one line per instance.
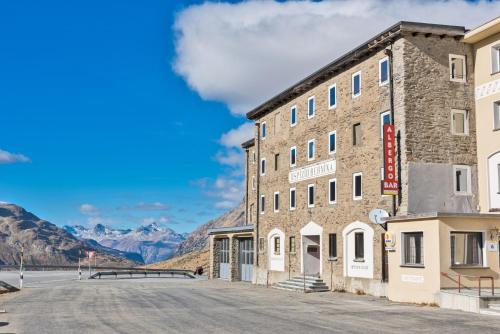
[351, 58]
[435, 215]
[235, 229]
[248, 143]
[483, 31]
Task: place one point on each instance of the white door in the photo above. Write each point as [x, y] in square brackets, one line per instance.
[246, 259]
[494, 180]
[224, 259]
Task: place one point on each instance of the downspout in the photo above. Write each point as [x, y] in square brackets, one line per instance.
[246, 189]
[257, 215]
[388, 52]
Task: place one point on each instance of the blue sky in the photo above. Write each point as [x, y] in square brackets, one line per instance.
[126, 112]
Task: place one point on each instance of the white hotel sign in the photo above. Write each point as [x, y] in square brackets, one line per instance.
[313, 171]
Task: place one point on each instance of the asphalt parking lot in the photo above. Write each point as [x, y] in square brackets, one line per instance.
[57, 303]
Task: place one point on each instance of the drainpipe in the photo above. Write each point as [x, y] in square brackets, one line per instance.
[388, 53]
[246, 189]
[257, 215]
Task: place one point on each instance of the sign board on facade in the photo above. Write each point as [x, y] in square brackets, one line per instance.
[313, 171]
[412, 279]
[389, 241]
[492, 246]
[390, 184]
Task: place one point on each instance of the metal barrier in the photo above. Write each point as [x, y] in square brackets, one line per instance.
[171, 272]
[8, 287]
[479, 278]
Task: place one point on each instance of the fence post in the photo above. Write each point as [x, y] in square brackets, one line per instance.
[459, 284]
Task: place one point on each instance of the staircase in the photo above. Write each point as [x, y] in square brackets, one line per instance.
[492, 309]
[312, 284]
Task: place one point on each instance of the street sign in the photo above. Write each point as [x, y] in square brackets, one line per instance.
[390, 184]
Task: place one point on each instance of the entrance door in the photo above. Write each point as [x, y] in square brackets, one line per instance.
[224, 259]
[246, 259]
[311, 249]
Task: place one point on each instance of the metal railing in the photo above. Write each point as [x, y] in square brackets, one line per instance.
[458, 280]
[130, 273]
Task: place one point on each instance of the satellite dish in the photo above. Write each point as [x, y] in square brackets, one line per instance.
[376, 216]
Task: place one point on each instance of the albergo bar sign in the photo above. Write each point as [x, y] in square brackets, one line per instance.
[390, 184]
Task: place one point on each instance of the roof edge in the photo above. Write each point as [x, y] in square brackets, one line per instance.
[234, 229]
[436, 215]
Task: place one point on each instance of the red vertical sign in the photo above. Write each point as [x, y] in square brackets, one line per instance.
[390, 186]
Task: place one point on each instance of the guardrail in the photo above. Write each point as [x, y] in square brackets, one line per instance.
[171, 272]
[75, 267]
[479, 278]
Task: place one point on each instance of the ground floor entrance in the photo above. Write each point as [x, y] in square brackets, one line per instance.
[246, 259]
[311, 254]
[224, 258]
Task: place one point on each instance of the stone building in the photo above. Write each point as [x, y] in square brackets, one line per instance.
[317, 159]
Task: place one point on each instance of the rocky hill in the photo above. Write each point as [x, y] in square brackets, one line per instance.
[43, 242]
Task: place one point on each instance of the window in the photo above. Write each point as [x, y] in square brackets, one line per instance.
[254, 157]
[357, 186]
[261, 244]
[385, 118]
[276, 201]
[253, 182]
[332, 245]
[277, 245]
[293, 199]
[292, 245]
[496, 115]
[293, 116]
[457, 68]
[495, 59]
[356, 134]
[466, 248]
[383, 71]
[332, 191]
[332, 96]
[310, 107]
[293, 156]
[413, 248]
[359, 246]
[310, 196]
[310, 150]
[356, 84]
[459, 122]
[462, 180]
[263, 130]
[263, 166]
[262, 204]
[276, 161]
[332, 142]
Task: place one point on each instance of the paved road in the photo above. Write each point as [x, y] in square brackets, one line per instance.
[194, 306]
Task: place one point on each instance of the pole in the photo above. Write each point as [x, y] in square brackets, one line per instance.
[79, 268]
[90, 270]
[21, 268]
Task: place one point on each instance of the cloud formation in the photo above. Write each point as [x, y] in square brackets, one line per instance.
[155, 206]
[244, 53]
[88, 210]
[12, 158]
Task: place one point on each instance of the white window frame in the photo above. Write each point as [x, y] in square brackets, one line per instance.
[496, 110]
[263, 160]
[352, 84]
[380, 83]
[308, 150]
[314, 107]
[293, 148]
[330, 106]
[354, 197]
[262, 207]
[292, 208]
[469, 180]
[292, 124]
[330, 152]
[382, 114]
[495, 63]
[309, 205]
[329, 191]
[263, 133]
[402, 249]
[274, 201]
[466, 122]
[464, 79]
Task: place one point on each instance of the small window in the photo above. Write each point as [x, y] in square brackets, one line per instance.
[356, 134]
[293, 116]
[253, 182]
[495, 59]
[359, 246]
[466, 248]
[310, 107]
[254, 157]
[293, 156]
[413, 248]
[462, 180]
[457, 68]
[263, 166]
[332, 191]
[261, 244]
[262, 204]
[385, 118]
[356, 84]
[310, 150]
[332, 246]
[277, 245]
[357, 186]
[332, 96]
[293, 199]
[383, 71]
[496, 115]
[292, 245]
[459, 122]
[276, 201]
[276, 161]
[332, 142]
[310, 196]
[264, 130]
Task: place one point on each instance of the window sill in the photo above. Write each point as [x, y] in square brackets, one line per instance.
[497, 129]
[412, 266]
[358, 260]
[332, 259]
[293, 253]
[468, 267]
[495, 209]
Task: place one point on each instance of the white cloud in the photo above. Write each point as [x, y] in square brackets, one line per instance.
[11, 158]
[236, 137]
[155, 206]
[244, 53]
[88, 210]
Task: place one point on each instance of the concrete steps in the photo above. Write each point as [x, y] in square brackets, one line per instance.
[312, 284]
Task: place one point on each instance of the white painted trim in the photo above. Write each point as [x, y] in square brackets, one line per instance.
[380, 83]
[296, 115]
[329, 189]
[354, 197]
[330, 106]
[469, 180]
[309, 230]
[308, 194]
[358, 226]
[260, 166]
[382, 114]
[290, 156]
[495, 47]
[276, 262]
[292, 208]
[263, 133]
[496, 109]
[335, 150]
[464, 65]
[308, 150]
[466, 122]
[487, 89]
[493, 159]
[352, 84]
[314, 107]
[274, 201]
